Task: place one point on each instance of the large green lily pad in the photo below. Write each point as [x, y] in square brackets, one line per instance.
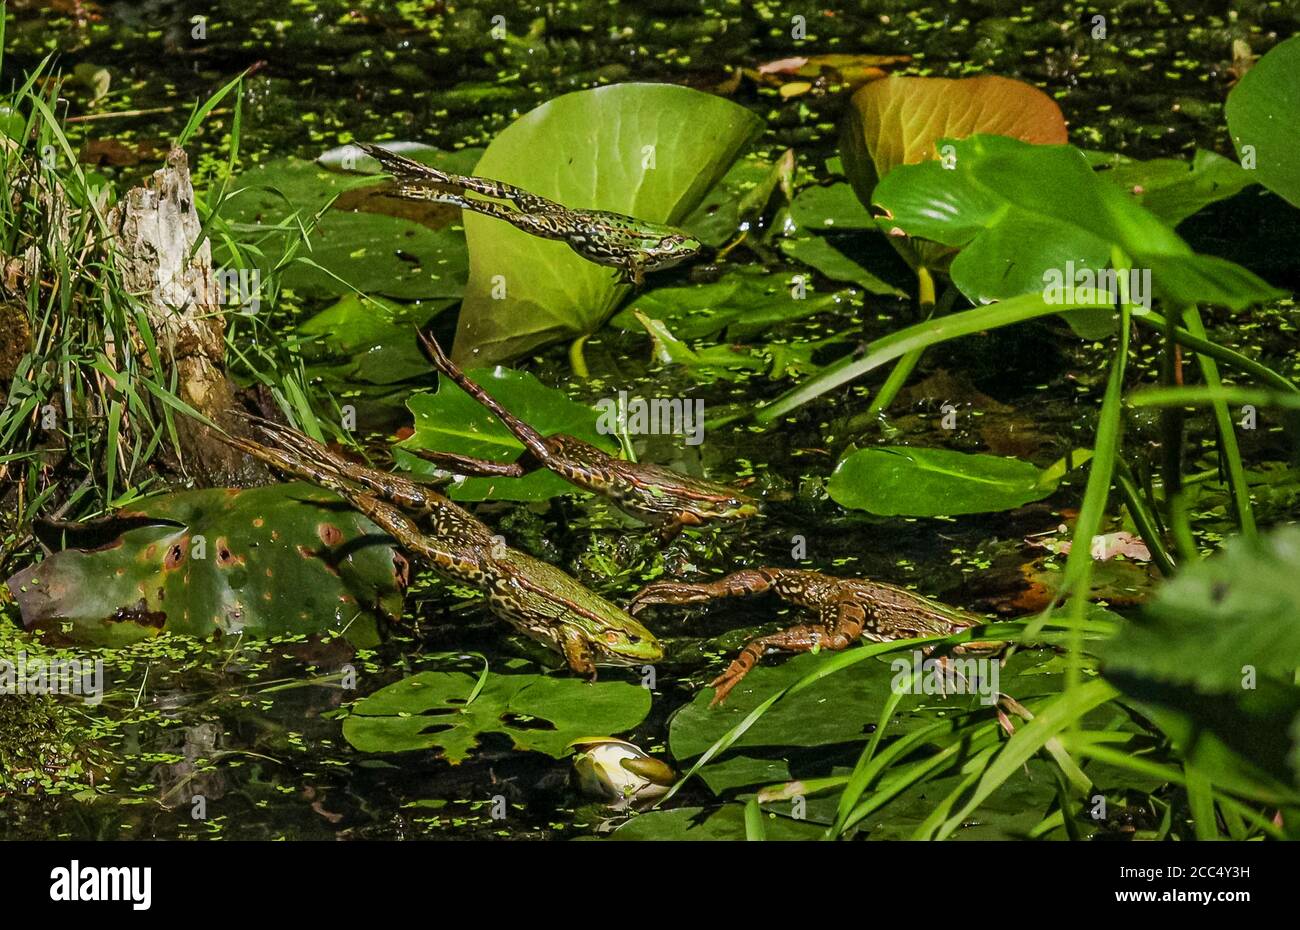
[452, 421]
[652, 151]
[282, 559]
[449, 711]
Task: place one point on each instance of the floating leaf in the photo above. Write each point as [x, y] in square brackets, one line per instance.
[636, 149]
[746, 302]
[829, 208]
[817, 253]
[448, 711]
[739, 197]
[452, 421]
[901, 120]
[1263, 113]
[376, 244]
[286, 558]
[368, 339]
[917, 482]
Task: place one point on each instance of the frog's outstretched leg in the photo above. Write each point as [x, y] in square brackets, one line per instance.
[533, 441]
[406, 169]
[844, 626]
[478, 468]
[737, 584]
[304, 457]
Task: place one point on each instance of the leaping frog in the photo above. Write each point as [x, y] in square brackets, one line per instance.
[624, 242]
[848, 609]
[535, 597]
[657, 495]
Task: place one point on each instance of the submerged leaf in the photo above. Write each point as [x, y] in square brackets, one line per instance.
[282, 559]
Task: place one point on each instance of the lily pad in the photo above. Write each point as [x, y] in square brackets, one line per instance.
[918, 482]
[829, 208]
[449, 712]
[282, 559]
[652, 151]
[452, 421]
[364, 241]
[817, 253]
[368, 339]
[1263, 113]
[739, 197]
[745, 303]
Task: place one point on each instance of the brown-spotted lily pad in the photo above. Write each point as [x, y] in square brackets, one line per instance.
[282, 559]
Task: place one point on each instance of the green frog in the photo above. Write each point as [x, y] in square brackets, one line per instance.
[535, 597]
[847, 608]
[656, 495]
[631, 245]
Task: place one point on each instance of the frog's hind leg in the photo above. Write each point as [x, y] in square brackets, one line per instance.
[737, 584]
[841, 625]
[533, 441]
[478, 468]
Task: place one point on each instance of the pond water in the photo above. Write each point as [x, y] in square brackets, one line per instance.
[253, 729]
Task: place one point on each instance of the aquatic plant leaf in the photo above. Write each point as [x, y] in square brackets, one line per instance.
[820, 255]
[740, 196]
[745, 303]
[368, 339]
[652, 151]
[1238, 610]
[901, 120]
[918, 482]
[449, 420]
[1173, 189]
[829, 208]
[373, 243]
[1263, 112]
[433, 710]
[281, 559]
[1023, 213]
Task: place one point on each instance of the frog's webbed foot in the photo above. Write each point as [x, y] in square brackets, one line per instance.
[737, 584]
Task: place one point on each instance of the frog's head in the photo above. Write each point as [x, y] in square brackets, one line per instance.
[673, 248]
[624, 642]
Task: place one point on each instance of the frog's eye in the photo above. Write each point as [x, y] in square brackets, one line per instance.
[668, 244]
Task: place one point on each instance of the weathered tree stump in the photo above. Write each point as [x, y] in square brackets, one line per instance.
[155, 229]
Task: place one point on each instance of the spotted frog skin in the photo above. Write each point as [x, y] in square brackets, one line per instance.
[656, 495]
[848, 609]
[535, 597]
[632, 246]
